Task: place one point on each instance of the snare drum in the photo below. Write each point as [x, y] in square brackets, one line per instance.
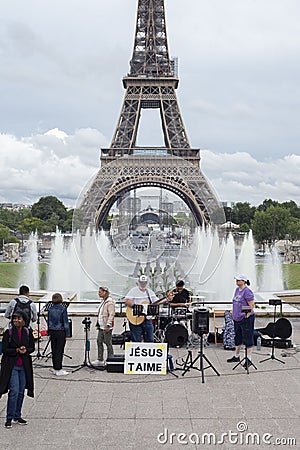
[176, 335]
[179, 314]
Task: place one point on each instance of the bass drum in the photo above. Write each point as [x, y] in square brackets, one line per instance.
[176, 335]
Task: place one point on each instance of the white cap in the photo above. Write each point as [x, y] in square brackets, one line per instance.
[241, 277]
[143, 279]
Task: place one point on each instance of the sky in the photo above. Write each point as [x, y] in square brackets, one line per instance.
[61, 69]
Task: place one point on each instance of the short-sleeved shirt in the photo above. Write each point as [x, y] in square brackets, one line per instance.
[240, 299]
[138, 297]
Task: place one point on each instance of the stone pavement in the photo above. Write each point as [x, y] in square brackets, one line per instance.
[92, 409]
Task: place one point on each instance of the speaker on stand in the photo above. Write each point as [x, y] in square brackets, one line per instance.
[200, 326]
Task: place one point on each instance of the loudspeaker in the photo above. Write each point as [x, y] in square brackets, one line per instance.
[201, 321]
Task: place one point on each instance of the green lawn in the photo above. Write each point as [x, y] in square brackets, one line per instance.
[291, 275]
[10, 274]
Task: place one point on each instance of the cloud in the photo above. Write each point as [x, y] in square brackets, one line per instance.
[240, 177]
[49, 164]
[62, 65]
[61, 69]
[55, 163]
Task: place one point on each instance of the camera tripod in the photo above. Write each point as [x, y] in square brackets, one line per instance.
[87, 345]
[190, 363]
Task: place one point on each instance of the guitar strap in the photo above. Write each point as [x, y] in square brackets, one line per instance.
[148, 295]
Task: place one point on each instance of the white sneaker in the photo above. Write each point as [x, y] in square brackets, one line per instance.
[97, 363]
[61, 372]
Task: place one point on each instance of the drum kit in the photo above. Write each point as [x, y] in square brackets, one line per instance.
[172, 325]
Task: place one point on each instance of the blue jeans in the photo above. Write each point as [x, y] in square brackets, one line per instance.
[17, 386]
[145, 330]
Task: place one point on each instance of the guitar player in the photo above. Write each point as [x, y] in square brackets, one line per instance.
[141, 295]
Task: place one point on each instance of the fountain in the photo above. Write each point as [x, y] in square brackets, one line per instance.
[208, 265]
[30, 273]
[272, 272]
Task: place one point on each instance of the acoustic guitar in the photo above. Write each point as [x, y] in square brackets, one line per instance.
[139, 319]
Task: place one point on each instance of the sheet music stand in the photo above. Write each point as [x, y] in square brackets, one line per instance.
[274, 302]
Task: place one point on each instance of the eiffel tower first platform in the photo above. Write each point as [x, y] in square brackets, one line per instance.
[150, 84]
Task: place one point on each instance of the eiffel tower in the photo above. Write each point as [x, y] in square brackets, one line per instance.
[150, 84]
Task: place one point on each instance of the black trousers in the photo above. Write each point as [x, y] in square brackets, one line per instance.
[58, 341]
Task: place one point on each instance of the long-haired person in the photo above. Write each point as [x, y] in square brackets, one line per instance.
[16, 373]
[59, 330]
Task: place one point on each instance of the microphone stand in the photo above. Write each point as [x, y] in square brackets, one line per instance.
[274, 302]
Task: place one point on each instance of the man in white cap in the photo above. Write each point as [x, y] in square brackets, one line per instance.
[139, 295]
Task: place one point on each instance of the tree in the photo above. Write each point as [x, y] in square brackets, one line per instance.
[5, 236]
[294, 229]
[32, 224]
[243, 213]
[271, 225]
[266, 204]
[244, 228]
[292, 207]
[68, 223]
[50, 209]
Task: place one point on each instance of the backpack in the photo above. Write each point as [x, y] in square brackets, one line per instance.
[25, 308]
[228, 335]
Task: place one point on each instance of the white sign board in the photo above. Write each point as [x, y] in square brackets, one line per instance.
[145, 358]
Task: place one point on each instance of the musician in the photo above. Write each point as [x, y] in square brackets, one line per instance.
[243, 321]
[105, 323]
[139, 295]
[180, 296]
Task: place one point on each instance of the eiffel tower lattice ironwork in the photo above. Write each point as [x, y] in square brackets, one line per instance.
[151, 83]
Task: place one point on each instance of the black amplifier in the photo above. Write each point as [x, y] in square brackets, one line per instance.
[115, 363]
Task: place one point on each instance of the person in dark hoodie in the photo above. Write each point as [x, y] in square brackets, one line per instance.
[16, 372]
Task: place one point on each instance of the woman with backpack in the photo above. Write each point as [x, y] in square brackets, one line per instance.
[16, 373]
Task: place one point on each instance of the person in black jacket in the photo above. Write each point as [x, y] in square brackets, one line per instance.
[16, 368]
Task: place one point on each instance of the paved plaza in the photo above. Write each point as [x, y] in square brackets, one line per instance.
[92, 409]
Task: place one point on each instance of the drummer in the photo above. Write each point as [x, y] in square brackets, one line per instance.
[181, 296]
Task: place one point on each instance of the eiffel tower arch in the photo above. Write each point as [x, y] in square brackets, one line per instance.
[150, 84]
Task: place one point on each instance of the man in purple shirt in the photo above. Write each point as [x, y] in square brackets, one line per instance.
[243, 317]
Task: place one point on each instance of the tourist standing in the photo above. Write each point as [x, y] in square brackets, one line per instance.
[16, 368]
[243, 299]
[105, 323]
[58, 330]
[22, 303]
